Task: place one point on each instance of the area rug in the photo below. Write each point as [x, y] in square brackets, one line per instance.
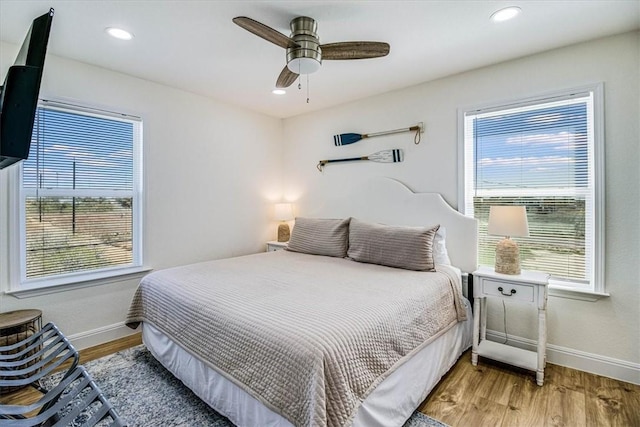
[145, 394]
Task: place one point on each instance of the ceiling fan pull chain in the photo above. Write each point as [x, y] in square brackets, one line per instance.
[307, 88]
[299, 77]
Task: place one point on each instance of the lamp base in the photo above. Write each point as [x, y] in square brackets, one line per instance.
[284, 232]
[507, 257]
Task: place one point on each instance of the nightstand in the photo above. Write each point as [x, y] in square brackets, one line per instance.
[530, 288]
[276, 246]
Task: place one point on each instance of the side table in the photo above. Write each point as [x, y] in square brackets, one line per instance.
[16, 326]
[529, 287]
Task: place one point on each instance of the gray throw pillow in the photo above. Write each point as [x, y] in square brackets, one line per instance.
[318, 236]
[410, 248]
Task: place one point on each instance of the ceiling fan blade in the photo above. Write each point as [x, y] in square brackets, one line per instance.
[267, 33]
[354, 50]
[286, 78]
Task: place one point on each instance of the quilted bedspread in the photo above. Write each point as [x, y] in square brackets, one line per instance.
[309, 336]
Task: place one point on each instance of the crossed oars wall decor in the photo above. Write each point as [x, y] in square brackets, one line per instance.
[350, 138]
[395, 155]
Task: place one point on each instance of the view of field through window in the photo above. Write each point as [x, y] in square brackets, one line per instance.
[78, 194]
[67, 235]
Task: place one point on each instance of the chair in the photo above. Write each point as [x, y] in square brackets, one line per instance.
[74, 395]
[26, 362]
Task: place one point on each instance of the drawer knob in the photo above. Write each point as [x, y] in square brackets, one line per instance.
[513, 291]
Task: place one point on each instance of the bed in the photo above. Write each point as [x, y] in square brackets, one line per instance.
[308, 339]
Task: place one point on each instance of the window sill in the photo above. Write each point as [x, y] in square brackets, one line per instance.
[577, 294]
[70, 283]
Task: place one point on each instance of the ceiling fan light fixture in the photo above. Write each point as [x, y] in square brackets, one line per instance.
[505, 14]
[304, 65]
[306, 57]
[279, 92]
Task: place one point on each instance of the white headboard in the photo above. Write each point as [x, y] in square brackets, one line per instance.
[388, 201]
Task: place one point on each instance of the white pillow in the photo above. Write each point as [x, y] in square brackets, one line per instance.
[440, 254]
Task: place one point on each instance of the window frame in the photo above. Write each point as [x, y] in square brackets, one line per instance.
[559, 288]
[19, 285]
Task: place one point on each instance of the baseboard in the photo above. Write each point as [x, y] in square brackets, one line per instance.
[101, 335]
[576, 359]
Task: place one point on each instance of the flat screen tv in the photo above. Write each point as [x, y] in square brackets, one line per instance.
[19, 93]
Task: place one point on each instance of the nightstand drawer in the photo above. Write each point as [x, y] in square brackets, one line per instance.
[276, 246]
[506, 290]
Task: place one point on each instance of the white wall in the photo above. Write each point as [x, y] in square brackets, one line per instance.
[211, 174]
[606, 331]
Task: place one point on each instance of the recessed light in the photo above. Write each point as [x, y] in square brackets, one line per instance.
[278, 91]
[505, 14]
[119, 33]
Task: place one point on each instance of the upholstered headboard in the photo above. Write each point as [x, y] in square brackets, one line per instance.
[388, 201]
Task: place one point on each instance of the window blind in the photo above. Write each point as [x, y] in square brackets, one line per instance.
[78, 193]
[539, 155]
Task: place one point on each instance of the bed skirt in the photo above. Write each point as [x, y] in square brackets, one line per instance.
[390, 404]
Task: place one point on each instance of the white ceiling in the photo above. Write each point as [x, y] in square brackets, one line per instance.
[194, 45]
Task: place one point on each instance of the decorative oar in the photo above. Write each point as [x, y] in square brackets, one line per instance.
[386, 156]
[350, 138]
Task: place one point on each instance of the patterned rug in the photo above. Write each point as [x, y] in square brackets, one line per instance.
[145, 394]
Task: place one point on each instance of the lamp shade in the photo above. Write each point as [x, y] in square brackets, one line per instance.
[283, 211]
[508, 221]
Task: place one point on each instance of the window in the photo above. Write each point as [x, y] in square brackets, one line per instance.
[545, 154]
[79, 198]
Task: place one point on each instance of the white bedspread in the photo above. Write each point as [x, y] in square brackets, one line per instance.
[308, 336]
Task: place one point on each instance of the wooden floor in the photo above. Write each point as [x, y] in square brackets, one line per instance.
[492, 394]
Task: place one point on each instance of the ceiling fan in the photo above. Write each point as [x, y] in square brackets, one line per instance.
[304, 51]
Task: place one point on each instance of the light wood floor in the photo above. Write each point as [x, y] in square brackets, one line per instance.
[492, 394]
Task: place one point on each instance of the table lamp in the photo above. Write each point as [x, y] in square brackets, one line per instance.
[508, 221]
[283, 212]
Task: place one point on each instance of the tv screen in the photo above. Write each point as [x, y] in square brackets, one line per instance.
[19, 93]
